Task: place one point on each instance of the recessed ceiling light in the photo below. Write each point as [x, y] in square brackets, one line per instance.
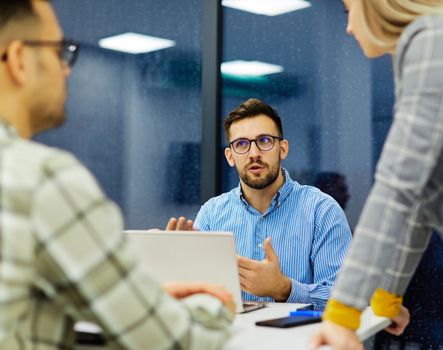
[249, 68]
[267, 7]
[135, 43]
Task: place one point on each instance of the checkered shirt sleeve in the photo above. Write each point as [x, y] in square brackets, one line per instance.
[64, 258]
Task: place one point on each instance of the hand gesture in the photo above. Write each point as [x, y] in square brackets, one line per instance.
[182, 224]
[400, 322]
[181, 290]
[264, 278]
[338, 337]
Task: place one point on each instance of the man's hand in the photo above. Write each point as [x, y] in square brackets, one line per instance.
[340, 338]
[264, 278]
[400, 322]
[181, 290]
[182, 224]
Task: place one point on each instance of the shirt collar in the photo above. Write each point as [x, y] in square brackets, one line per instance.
[7, 131]
[278, 198]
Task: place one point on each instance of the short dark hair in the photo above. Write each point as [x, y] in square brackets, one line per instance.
[249, 109]
[15, 10]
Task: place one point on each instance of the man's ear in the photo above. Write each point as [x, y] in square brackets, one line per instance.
[16, 62]
[284, 149]
[229, 158]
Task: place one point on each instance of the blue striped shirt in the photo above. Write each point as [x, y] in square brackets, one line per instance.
[308, 229]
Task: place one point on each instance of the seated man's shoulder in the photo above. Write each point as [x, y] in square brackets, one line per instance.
[41, 160]
[41, 155]
[223, 200]
[313, 196]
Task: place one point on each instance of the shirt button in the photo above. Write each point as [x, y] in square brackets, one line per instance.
[262, 218]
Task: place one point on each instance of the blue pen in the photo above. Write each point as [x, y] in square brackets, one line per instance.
[309, 313]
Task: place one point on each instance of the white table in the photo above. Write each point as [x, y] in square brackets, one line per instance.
[246, 335]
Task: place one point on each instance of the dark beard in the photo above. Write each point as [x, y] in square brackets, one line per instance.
[260, 184]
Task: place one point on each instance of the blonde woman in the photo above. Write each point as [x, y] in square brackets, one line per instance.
[406, 201]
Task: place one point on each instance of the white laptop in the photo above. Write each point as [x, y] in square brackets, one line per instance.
[188, 256]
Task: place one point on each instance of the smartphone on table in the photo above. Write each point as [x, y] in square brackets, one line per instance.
[296, 318]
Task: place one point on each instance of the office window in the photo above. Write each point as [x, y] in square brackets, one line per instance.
[135, 119]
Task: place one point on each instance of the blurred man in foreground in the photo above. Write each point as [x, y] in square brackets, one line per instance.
[63, 257]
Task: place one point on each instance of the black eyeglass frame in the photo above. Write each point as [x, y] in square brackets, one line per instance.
[68, 53]
[250, 141]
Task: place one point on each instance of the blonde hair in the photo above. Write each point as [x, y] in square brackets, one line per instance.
[386, 19]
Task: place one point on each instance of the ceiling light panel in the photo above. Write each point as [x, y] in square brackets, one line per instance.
[249, 68]
[267, 7]
[135, 43]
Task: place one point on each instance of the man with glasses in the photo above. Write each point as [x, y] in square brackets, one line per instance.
[291, 239]
[63, 257]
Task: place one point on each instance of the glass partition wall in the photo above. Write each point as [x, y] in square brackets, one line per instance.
[134, 111]
[322, 90]
[336, 107]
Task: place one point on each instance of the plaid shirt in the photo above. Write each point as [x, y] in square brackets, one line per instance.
[406, 201]
[63, 259]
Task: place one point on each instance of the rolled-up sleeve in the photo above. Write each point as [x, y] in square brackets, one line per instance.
[91, 268]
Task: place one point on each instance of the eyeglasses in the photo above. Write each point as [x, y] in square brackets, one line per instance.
[263, 143]
[68, 49]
